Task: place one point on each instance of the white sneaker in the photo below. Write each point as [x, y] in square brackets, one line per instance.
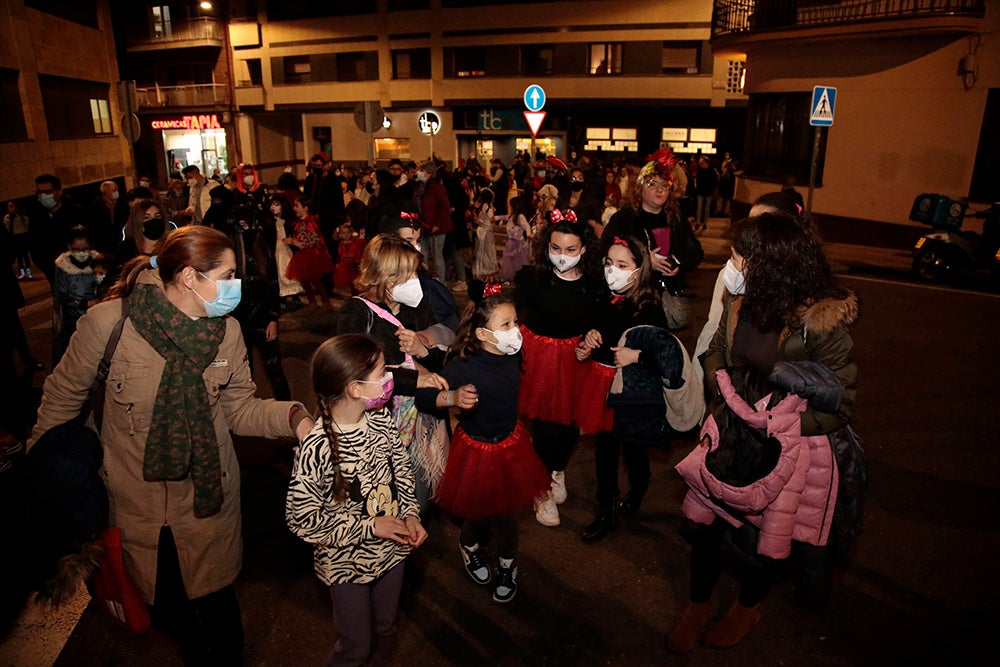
[559, 486]
[546, 511]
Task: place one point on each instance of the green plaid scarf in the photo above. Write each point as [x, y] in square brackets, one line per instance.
[181, 437]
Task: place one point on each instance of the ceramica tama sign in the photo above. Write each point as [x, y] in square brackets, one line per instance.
[204, 122]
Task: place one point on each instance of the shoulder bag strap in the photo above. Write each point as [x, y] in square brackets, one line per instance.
[95, 397]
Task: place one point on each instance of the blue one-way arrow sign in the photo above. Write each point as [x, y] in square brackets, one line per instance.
[534, 97]
[823, 102]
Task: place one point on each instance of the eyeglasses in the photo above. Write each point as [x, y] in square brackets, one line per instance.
[658, 186]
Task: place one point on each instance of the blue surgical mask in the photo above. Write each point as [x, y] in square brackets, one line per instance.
[228, 297]
[47, 200]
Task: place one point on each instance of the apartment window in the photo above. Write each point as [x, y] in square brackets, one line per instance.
[12, 127]
[466, 61]
[160, 19]
[74, 108]
[400, 5]
[984, 186]
[536, 60]
[411, 64]
[249, 72]
[681, 57]
[606, 58]
[780, 139]
[297, 69]
[287, 10]
[357, 66]
[100, 113]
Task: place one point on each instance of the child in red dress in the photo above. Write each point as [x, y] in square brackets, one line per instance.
[493, 473]
[312, 262]
[349, 253]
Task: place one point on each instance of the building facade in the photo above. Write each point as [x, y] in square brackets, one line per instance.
[59, 111]
[618, 79]
[916, 105]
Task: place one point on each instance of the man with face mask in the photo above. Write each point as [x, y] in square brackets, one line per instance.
[106, 217]
[199, 197]
[50, 222]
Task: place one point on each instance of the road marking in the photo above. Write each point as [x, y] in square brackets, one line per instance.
[935, 288]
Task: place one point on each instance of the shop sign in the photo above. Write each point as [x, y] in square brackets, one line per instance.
[205, 122]
[429, 123]
[501, 119]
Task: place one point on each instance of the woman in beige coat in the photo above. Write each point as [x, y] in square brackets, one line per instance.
[179, 384]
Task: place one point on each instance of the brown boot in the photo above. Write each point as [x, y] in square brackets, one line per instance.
[688, 630]
[732, 627]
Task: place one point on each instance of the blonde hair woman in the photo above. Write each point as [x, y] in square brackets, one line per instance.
[390, 306]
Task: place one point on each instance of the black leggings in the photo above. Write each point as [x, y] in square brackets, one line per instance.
[479, 532]
[706, 566]
[209, 629]
[636, 459]
[554, 443]
[270, 352]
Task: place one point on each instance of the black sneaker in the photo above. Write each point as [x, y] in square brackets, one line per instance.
[506, 586]
[475, 564]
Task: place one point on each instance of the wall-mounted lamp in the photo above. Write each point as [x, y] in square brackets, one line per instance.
[206, 5]
[386, 123]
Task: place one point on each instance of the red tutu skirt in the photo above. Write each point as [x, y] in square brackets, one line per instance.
[592, 412]
[307, 266]
[485, 480]
[550, 378]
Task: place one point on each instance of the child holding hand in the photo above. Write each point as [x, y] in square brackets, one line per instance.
[351, 496]
[493, 473]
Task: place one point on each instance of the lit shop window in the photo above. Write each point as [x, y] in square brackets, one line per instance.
[689, 140]
[611, 139]
[387, 148]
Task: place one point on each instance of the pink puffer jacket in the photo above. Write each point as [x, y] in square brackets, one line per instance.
[795, 501]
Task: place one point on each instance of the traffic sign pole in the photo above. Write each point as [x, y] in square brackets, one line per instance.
[818, 134]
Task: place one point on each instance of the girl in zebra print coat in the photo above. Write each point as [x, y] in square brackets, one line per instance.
[351, 496]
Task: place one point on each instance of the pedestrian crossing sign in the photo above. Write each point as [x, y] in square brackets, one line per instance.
[823, 102]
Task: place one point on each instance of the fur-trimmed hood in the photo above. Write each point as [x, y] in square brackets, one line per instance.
[825, 315]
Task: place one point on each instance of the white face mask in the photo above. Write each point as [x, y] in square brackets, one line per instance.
[509, 341]
[564, 263]
[409, 293]
[248, 180]
[733, 278]
[114, 196]
[191, 182]
[618, 279]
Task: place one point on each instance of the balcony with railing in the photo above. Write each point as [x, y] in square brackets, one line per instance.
[180, 35]
[159, 97]
[740, 19]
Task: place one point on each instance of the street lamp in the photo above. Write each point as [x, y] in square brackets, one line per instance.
[206, 5]
[386, 123]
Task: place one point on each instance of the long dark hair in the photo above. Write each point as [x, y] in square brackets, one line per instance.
[337, 362]
[590, 262]
[641, 291]
[785, 268]
[476, 314]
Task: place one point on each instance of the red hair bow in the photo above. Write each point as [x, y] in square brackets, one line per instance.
[491, 289]
[620, 241]
[559, 216]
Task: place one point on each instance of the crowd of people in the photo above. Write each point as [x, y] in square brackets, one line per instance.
[476, 411]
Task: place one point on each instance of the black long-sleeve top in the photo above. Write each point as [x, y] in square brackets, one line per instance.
[497, 379]
[613, 319]
[356, 317]
[642, 225]
[553, 307]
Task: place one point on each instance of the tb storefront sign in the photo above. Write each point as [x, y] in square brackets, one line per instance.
[500, 119]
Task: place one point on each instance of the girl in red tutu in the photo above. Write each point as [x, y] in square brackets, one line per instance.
[311, 263]
[349, 252]
[493, 473]
[633, 301]
[556, 298]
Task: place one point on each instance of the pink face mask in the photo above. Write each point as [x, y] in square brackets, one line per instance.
[388, 384]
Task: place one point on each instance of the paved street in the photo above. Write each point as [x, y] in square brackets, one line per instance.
[920, 587]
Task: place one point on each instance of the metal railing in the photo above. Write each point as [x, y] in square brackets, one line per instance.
[744, 16]
[183, 96]
[190, 30]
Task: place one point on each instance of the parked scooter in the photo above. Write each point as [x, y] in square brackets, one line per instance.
[947, 250]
